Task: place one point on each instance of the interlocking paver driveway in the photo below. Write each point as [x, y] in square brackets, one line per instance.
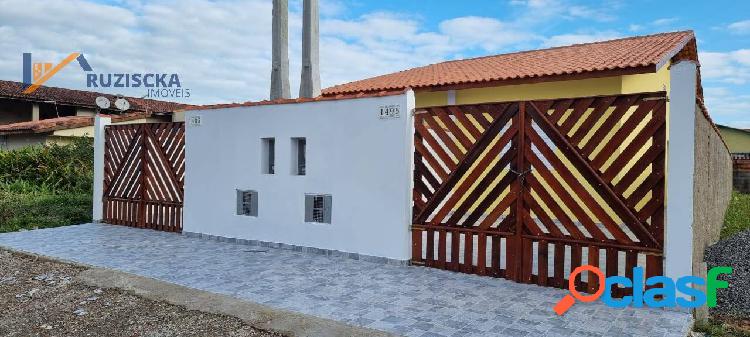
[411, 301]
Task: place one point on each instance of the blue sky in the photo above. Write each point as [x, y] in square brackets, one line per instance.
[221, 49]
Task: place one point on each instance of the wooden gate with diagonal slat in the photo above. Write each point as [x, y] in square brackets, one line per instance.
[144, 166]
[531, 190]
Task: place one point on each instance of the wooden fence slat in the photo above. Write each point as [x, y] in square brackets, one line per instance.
[416, 246]
[442, 238]
[468, 253]
[559, 269]
[430, 256]
[593, 260]
[527, 260]
[496, 255]
[575, 262]
[455, 251]
[482, 254]
[542, 259]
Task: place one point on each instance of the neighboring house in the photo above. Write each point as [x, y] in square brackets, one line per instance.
[52, 114]
[738, 141]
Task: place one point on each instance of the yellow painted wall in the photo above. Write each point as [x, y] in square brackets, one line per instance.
[431, 98]
[626, 84]
[85, 112]
[615, 85]
[737, 140]
[88, 131]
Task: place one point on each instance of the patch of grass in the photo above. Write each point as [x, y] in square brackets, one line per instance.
[737, 218]
[46, 186]
[53, 167]
[43, 209]
[717, 328]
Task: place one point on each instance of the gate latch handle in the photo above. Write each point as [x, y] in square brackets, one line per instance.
[521, 174]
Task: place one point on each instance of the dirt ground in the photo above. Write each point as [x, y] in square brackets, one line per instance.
[39, 297]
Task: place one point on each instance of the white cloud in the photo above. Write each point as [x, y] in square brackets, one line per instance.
[728, 107]
[488, 33]
[726, 78]
[331, 7]
[664, 21]
[596, 14]
[726, 67]
[635, 28]
[568, 39]
[739, 27]
[659, 25]
[539, 11]
[377, 43]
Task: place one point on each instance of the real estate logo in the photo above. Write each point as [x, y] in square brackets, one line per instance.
[36, 73]
[656, 297]
[157, 85]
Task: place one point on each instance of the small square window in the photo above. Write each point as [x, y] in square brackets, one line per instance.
[318, 208]
[299, 160]
[268, 153]
[247, 203]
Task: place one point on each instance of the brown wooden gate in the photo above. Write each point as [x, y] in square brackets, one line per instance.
[531, 190]
[144, 169]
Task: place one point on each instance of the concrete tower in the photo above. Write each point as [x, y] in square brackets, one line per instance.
[280, 50]
[309, 85]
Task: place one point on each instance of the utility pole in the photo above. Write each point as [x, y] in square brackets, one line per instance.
[280, 50]
[310, 82]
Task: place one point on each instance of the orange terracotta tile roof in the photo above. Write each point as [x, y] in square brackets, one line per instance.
[47, 125]
[63, 123]
[296, 100]
[637, 54]
[14, 90]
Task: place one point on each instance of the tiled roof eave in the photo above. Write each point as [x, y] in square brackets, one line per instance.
[322, 98]
[516, 80]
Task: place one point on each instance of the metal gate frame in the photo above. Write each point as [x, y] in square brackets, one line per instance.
[144, 169]
[541, 186]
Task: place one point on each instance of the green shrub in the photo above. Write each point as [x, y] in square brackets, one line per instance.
[718, 328]
[42, 210]
[46, 186]
[737, 218]
[66, 168]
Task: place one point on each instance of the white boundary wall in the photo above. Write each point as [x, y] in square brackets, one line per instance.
[99, 124]
[678, 232]
[363, 161]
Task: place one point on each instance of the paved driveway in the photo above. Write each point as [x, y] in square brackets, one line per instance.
[411, 301]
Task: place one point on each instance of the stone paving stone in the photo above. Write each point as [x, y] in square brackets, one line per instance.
[514, 332]
[432, 334]
[404, 300]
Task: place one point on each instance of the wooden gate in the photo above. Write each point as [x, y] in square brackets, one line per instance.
[531, 190]
[144, 168]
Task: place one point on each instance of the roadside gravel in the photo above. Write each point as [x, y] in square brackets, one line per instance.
[39, 297]
[734, 252]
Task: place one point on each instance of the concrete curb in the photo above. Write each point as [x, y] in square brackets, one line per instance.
[256, 315]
